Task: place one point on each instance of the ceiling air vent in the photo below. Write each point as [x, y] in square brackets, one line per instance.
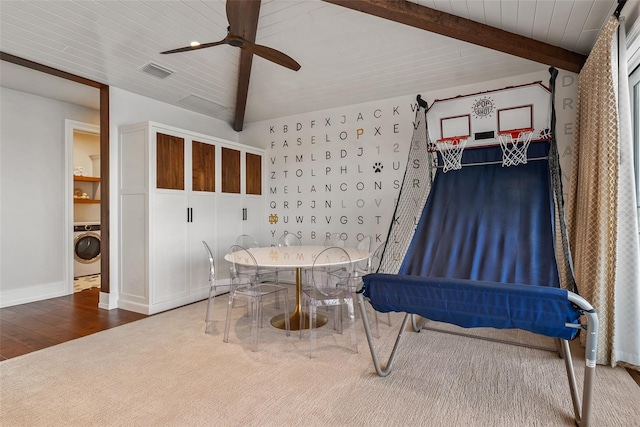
[202, 105]
[156, 70]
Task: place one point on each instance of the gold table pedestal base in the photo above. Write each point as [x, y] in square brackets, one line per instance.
[294, 318]
[294, 321]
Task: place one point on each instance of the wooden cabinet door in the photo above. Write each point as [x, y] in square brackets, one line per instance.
[169, 162]
[230, 170]
[203, 167]
[253, 174]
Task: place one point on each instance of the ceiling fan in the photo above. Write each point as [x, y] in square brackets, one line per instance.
[242, 16]
[238, 35]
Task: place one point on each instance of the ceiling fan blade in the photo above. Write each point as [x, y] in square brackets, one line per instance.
[200, 46]
[272, 55]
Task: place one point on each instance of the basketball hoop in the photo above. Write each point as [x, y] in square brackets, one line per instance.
[515, 144]
[451, 151]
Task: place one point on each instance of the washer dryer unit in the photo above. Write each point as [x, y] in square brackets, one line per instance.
[86, 249]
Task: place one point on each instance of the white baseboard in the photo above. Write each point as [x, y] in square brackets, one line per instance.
[150, 309]
[134, 306]
[108, 301]
[32, 293]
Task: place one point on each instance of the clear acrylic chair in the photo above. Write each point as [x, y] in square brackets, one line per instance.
[213, 288]
[365, 267]
[362, 267]
[334, 239]
[244, 278]
[264, 274]
[289, 240]
[329, 287]
[247, 241]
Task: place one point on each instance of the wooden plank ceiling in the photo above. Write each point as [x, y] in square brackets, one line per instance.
[347, 57]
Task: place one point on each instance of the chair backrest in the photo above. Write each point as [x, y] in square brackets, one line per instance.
[289, 239]
[212, 266]
[247, 241]
[331, 271]
[376, 258]
[364, 244]
[335, 240]
[242, 266]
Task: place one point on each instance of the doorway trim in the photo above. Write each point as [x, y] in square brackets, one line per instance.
[107, 301]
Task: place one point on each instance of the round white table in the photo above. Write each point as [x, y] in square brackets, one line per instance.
[298, 258]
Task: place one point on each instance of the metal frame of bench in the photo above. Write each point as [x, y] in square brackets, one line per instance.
[582, 410]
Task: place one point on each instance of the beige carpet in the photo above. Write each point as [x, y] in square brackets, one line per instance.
[164, 370]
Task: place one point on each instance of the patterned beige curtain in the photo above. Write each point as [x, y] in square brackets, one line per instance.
[593, 186]
[594, 190]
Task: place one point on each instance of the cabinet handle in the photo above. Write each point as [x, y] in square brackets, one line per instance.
[191, 210]
[244, 214]
[189, 214]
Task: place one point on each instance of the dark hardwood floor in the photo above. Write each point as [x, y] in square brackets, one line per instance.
[30, 327]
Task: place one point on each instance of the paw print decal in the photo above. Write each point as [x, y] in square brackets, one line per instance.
[377, 167]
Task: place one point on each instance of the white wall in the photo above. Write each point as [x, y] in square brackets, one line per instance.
[335, 170]
[32, 183]
[339, 170]
[128, 108]
[32, 179]
[84, 146]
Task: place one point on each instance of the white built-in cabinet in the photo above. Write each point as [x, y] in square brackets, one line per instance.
[178, 188]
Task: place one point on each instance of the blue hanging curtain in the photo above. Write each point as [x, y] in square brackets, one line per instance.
[488, 223]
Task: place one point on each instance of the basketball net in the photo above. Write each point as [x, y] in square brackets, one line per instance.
[451, 151]
[515, 144]
[420, 171]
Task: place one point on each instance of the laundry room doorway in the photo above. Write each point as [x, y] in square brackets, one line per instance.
[83, 164]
